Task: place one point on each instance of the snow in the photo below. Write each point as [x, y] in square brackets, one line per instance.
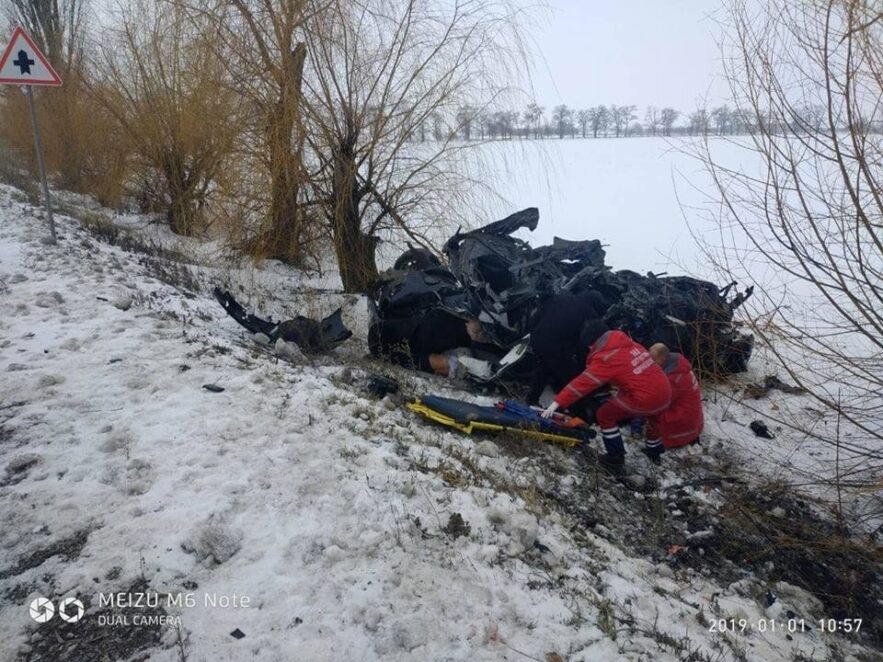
[294, 491]
[628, 193]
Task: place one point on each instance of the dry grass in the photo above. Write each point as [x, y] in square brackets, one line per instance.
[83, 146]
[162, 82]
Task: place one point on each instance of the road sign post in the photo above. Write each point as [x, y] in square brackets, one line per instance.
[39, 146]
[29, 67]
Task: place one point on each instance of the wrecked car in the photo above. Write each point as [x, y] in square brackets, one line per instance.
[419, 307]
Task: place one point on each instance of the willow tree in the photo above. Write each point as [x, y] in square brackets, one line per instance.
[261, 44]
[377, 71]
[158, 76]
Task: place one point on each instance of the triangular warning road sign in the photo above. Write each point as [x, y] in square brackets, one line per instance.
[22, 63]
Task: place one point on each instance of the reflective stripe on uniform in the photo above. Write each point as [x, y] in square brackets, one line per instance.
[645, 412]
[691, 433]
[575, 390]
[592, 377]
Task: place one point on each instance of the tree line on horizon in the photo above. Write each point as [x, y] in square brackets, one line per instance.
[602, 121]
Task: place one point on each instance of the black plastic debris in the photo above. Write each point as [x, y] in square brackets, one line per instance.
[380, 386]
[214, 388]
[237, 634]
[760, 429]
[309, 335]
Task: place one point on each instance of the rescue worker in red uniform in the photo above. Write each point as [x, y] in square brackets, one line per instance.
[641, 389]
[682, 422]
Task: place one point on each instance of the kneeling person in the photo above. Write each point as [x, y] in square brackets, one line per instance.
[681, 423]
[642, 389]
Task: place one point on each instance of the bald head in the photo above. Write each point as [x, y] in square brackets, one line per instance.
[660, 353]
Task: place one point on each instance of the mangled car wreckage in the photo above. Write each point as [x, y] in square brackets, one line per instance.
[501, 281]
[478, 310]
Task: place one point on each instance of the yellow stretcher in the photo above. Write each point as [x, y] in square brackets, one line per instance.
[469, 418]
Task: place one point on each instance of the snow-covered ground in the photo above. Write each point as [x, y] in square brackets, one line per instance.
[632, 194]
[325, 524]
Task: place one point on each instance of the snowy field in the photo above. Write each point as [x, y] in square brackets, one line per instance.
[631, 194]
[324, 524]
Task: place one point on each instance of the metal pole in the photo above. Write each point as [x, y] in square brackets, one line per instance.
[39, 145]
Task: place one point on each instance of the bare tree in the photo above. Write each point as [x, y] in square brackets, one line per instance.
[742, 121]
[584, 117]
[466, 117]
[653, 119]
[629, 114]
[376, 69]
[699, 122]
[721, 117]
[667, 118]
[810, 221]
[438, 126]
[533, 117]
[562, 116]
[600, 120]
[621, 116]
[616, 119]
[159, 77]
[507, 120]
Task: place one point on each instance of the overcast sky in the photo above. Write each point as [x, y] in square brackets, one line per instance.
[642, 52]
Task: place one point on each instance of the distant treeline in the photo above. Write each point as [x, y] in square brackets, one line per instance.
[534, 122]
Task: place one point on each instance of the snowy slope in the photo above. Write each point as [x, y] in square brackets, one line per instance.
[327, 511]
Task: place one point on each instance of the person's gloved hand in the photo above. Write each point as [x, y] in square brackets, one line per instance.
[551, 409]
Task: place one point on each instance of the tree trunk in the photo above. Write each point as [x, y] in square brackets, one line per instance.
[356, 257]
[182, 214]
[283, 237]
[355, 250]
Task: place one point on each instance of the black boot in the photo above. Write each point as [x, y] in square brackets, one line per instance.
[653, 454]
[613, 461]
[653, 449]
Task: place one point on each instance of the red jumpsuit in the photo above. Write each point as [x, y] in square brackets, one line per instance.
[642, 387]
[682, 422]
